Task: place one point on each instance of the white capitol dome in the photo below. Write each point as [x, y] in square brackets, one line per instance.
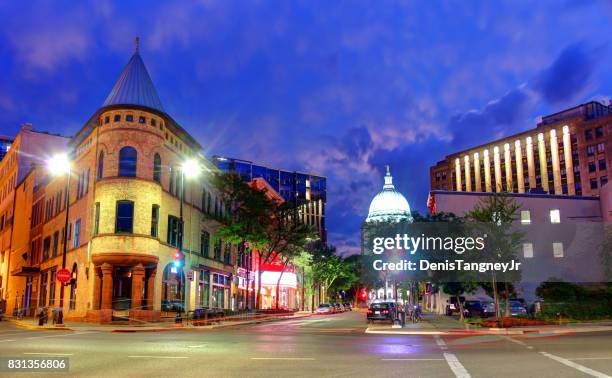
[389, 205]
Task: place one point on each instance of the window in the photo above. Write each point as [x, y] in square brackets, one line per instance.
[129, 118]
[117, 118]
[87, 180]
[157, 168]
[592, 166]
[204, 243]
[227, 257]
[528, 250]
[124, 219]
[106, 119]
[588, 134]
[558, 250]
[153, 122]
[100, 165]
[97, 219]
[599, 132]
[603, 180]
[174, 230]
[46, 248]
[217, 249]
[171, 183]
[600, 147]
[77, 234]
[602, 164]
[127, 162]
[55, 243]
[52, 279]
[141, 119]
[525, 217]
[154, 220]
[72, 305]
[555, 216]
[590, 150]
[593, 183]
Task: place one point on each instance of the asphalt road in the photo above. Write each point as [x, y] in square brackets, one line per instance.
[333, 345]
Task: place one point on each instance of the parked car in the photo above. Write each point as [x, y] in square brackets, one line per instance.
[381, 311]
[474, 308]
[348, 306]
[339, 307]
[452, 307]
[325, 308]
[517, 308]
[489, 309]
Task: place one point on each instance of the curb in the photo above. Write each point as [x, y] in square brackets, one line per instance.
[39, 328]
[489, 331]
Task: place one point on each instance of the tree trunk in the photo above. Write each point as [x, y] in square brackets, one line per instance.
[507, 297]
[278, 289]
[258, 298]
[495, 298]
[461, 317]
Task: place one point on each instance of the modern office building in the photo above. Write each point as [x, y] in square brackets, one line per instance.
[5, 145]
[307, 190]
[568, 153]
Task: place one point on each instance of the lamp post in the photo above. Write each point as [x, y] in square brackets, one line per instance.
[59, 165]
[190, 168]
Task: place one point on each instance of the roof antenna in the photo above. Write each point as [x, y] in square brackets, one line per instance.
[137, 45]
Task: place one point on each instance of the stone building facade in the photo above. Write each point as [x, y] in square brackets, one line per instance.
[124, 218]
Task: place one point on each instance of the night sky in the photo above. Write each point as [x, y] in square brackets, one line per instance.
[338, 88]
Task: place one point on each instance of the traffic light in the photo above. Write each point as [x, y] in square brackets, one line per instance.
[179, 259]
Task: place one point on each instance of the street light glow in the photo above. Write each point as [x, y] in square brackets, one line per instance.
[191, 168]
[59, 164]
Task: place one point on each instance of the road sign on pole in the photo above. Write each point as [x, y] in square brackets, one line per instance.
[63, 275]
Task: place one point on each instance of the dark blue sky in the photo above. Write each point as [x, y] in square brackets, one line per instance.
[339, 88]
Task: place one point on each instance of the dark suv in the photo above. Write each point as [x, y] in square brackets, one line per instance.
[384, 311]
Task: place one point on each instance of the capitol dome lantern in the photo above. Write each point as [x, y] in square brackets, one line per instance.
[389, 205]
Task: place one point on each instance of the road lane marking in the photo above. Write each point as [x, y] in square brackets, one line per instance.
[584, 369]
[58, 335]
[453, 362]
[49, 354]
[412, 359]
[519, 342]
[164, 357]
[284, 358]
[196, 346]
[6, 340]
[590, 358]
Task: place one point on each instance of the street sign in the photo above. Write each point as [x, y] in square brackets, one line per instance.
[190, 275]
[63, 275]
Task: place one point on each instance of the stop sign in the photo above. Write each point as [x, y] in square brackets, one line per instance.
[63, 275]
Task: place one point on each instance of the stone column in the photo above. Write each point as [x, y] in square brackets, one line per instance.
[518, 161]
[107, 286]
[151, 289]
[487, 171]
[556, 166]
[458, 174]
[569, 164]
[137, 286]
[497, 164]
[530, 163]
[477, 172]
[508, 166]
[468, 176]
[97, 287]
[543, 166]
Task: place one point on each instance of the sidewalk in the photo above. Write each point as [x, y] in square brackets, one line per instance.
[433, 324]
[32, 324]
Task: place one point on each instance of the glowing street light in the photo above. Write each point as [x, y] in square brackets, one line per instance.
[58, 165]
[191, 168]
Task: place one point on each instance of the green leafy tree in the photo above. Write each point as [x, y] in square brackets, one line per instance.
[494, 216]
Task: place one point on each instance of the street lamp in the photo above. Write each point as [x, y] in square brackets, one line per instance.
[59, 165]
[190, 168]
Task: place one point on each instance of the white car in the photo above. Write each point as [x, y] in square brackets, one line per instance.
[325, 308]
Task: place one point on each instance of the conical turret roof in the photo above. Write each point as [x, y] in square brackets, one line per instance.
[134, 86]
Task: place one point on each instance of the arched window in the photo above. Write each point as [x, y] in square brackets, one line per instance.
[157, 168]
[127, 162]
[100, 173]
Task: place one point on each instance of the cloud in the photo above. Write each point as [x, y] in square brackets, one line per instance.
[502, 116]
[569, 75]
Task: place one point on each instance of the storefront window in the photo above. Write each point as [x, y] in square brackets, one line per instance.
[203, 288]
[173, 289]
[220, 290]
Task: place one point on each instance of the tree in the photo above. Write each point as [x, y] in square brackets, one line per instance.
[457, 289]
[260, 222]
[493, 216]
[329, 268]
